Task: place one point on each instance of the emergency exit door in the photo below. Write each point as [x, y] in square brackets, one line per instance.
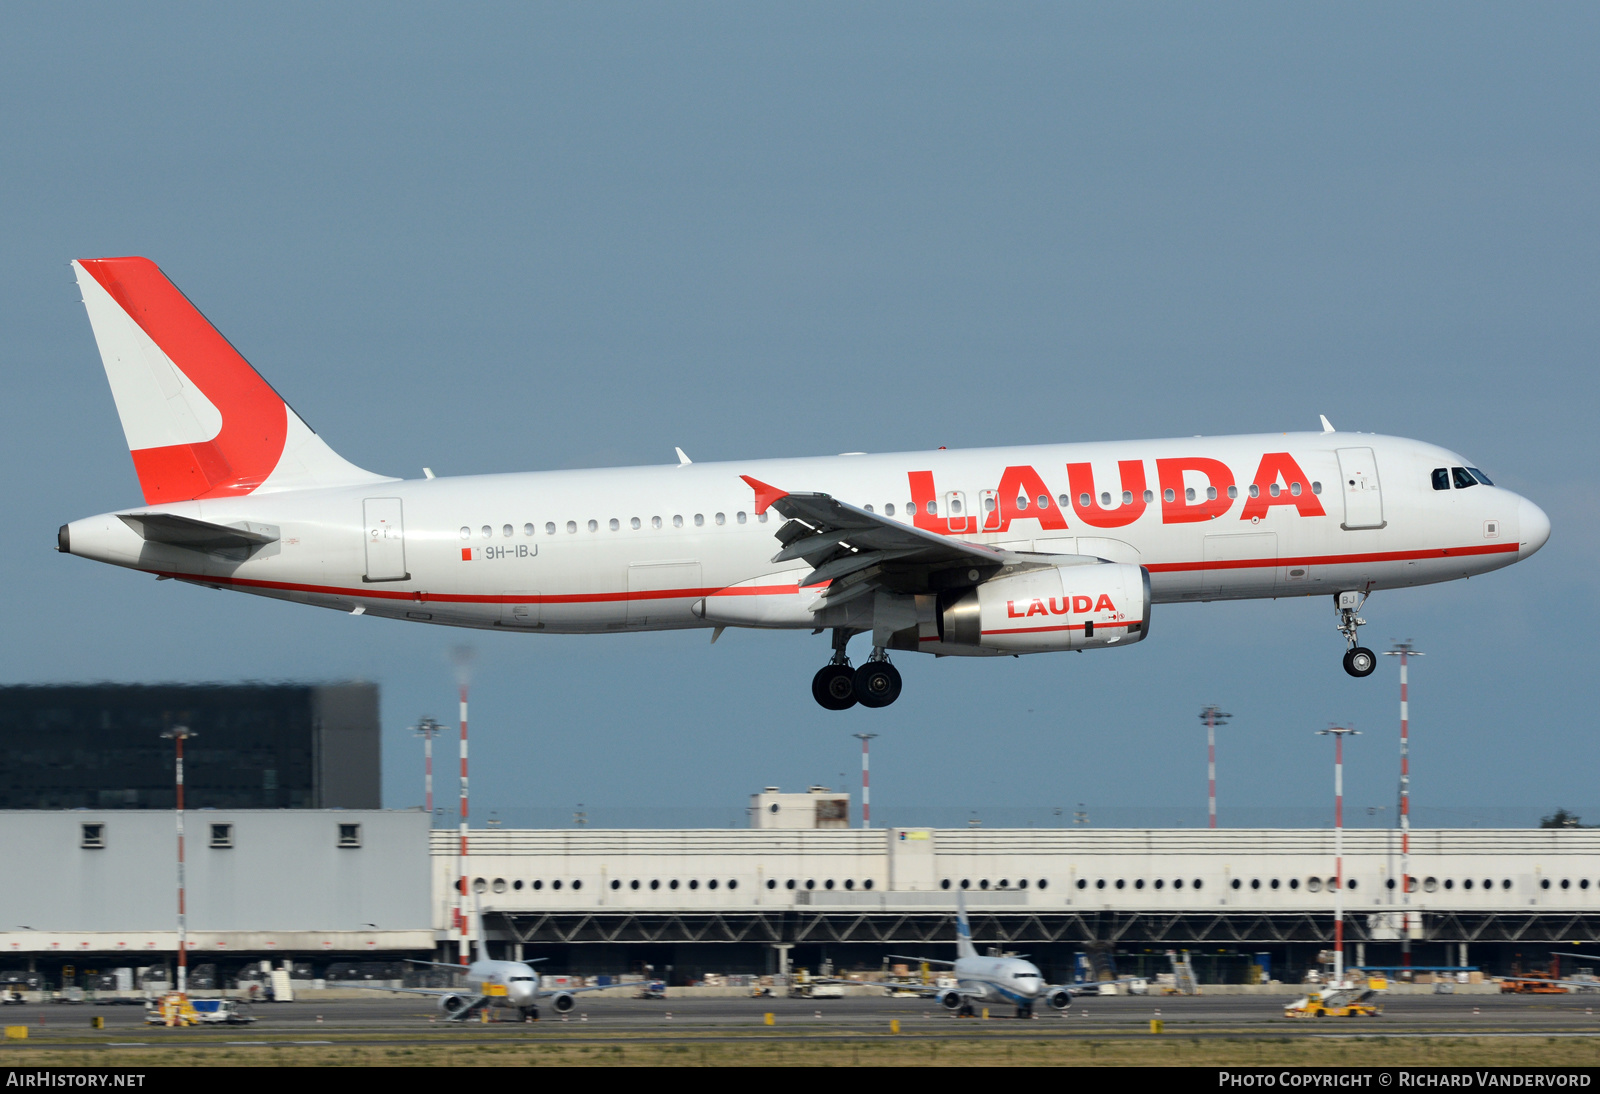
[386, 540]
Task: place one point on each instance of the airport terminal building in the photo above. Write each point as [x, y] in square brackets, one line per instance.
[367, 888]
[290, 861]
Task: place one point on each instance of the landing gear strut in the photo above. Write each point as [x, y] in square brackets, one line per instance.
[1358, 660]
[837, 686]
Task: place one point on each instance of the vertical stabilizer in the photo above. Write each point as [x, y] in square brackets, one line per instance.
[964, 946]
[200, 422]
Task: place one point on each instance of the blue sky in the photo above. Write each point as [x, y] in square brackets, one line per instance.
[504, 237]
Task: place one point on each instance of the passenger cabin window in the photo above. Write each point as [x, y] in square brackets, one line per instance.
[222, 835]
[1461, 478]
[1441, 478]
[349, 835]
[93, 837]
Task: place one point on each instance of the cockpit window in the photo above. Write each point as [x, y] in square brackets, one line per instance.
[1461, 478]
[1480, 476]
[1027, 976]
[521, 979]
[1441, 478]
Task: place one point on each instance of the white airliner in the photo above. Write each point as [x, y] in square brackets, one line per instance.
[988, 551]
[491, 985]
[992, 979]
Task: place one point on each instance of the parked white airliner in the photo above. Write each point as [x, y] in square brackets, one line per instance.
[993, 979]
[980, 552]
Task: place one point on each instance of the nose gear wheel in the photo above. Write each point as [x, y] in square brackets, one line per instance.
[1358, 660]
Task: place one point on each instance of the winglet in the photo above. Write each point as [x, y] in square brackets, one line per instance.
[1327, 426]
[683, 457]
[765, 495]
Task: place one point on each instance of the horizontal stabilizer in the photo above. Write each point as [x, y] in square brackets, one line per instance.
[198, 535]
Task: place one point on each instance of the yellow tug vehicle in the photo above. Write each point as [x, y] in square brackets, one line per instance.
[1333, 1002]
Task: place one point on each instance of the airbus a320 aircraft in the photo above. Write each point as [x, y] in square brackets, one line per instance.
[984, 552]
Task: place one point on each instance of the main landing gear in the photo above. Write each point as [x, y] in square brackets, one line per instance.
[1358, 660]
[837, 686]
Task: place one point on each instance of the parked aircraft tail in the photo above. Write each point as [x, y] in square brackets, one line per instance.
[964, 946]
[200, 422]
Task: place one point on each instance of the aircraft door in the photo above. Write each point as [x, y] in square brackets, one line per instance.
[386, 540]
[988, 511]
[1358, 482]
[958, 519]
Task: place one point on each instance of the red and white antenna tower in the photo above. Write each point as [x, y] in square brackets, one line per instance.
[866, 800]
[1405, 651]
[1212, 717]
[427, 729]
[461, 887]
[179, 734]
[1338, 733]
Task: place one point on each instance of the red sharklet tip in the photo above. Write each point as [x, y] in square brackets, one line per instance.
[765, 495]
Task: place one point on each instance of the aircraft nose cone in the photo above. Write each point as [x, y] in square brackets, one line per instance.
[1533, 528]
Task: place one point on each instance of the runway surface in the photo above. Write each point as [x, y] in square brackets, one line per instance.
[383, 1020]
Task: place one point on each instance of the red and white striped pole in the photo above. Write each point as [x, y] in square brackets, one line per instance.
[1339, 734]
[866, 786]
[1405, 651]
[461, 888]
[427, 729]
[179, 734]
[1213, 718]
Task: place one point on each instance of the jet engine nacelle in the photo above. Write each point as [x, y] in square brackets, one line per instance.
[1060, 998]
[563, 1001]
[451, 1004]
[950, 999]
[1051, 608]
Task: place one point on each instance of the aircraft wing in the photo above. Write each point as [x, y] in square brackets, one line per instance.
[435, 992]
[855, 551]
[922, 960]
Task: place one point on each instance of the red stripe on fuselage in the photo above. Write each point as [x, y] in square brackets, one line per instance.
[1333, 560]
[784, 590]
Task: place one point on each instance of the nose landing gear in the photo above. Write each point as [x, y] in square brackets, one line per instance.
[1358, 660]
[837, 686]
